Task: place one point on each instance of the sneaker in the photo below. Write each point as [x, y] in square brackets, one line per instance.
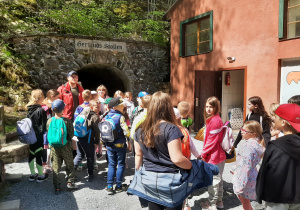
[110, 191]
[91, 178]
[220, 205]
[122, 188]
[57, 191]
[96, 166]
[72, 186]
[33, 177]
[80, 167]
[42, 178]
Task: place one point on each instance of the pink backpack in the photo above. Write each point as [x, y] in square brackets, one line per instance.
[228, 140]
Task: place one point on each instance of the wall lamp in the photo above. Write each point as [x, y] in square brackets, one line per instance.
[231, 59]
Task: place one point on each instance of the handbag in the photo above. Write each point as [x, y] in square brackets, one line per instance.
[231, 156]
[171, 189]
[201, 134]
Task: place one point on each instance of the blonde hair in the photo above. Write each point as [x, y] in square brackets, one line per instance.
[119, 93]
[86, 95]
[128, 94]
[35, 96]
[273, 108]
[145, 101]
[255, 127]
[51, 93]
[215, 103]
[184, 108]
[102, 87]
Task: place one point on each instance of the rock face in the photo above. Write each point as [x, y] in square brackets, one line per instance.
[14, 152]
[141, 65]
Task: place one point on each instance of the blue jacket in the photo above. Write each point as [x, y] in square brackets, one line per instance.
[170, 189]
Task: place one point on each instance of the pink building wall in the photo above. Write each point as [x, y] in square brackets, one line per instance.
[245, 29]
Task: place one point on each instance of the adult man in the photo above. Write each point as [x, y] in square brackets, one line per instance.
[71, 94]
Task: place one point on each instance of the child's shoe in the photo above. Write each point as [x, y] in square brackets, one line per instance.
[42, 178]
[33, 177]
[110, 190]
[121, 188]
[80, 167]
[95, 166]
[220, 205]
[72, 186]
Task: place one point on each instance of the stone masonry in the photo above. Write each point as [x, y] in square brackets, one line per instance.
[50, 57]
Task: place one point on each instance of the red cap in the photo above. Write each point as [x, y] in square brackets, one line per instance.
[290, 113]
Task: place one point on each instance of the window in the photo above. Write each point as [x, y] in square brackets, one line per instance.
[196, 35]
[289, 19]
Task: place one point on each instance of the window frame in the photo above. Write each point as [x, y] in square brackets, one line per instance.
[182, 33]
[282, 23]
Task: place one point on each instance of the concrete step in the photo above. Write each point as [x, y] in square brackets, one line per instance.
[13, 178]
[14, 151]
[10, 205]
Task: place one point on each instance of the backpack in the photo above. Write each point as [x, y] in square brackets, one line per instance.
[25, 131]
[57, 133]
[80, 124]
[108, 129]
[227, 140]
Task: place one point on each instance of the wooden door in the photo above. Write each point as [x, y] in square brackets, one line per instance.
[207, 83]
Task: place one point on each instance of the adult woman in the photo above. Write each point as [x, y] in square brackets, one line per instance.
[158, 141]
[213, 152]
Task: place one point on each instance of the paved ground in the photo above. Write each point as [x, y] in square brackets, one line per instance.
[92, 195]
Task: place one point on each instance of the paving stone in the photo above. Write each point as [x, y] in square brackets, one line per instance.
[13, 178]
[10, 205]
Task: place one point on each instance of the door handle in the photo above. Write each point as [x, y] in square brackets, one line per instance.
[196, 101]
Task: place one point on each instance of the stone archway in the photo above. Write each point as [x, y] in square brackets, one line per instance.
[93, 75]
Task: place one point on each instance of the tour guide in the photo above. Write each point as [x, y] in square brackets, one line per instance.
[71, 94]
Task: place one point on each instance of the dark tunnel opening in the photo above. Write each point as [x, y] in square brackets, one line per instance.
[93, 75]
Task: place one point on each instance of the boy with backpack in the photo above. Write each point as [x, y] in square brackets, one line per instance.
[113, 131]
[88, 136]
[278, 180]
[60, 134]
[86, 95]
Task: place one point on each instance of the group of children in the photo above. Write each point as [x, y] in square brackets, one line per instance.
[274, 139]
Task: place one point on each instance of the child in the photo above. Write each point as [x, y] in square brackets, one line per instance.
[86, 95]
[116, 150]
[130, 104]
[274, 132]
[139, 108]
[94, 95]
[60, 154]
[86, 145]
[102, 96]
[213, 153]
[257, 113]
[119, 93]
[249, 154]
[278, 178]
[50, 97]
[294, 100]
[184, 108]
[38, 118]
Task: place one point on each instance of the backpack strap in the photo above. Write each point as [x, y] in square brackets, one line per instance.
[260, 121]
[90, 133]
[218, 130]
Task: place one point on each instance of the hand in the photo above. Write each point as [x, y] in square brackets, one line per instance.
[199, 157]
[46, 146]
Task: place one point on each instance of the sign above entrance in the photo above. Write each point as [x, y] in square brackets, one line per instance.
[86, 44]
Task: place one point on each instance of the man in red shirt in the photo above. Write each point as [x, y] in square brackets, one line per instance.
[71, 94]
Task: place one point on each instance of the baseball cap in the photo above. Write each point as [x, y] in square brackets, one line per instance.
[107, 101]
[71, 73]
[142, 94]
[58, 105]
[290, 113]
[115, 102]
[177, 113]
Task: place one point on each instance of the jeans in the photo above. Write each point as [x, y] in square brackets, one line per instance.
[85, 149]
[116, 164]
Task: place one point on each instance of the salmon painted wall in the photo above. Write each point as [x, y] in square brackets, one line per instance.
[245, 29]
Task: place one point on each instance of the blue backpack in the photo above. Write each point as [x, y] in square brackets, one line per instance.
[25, 131]
[108, 129]
[57, 133]
[80, 124]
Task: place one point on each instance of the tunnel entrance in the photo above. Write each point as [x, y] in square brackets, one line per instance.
[93, 75]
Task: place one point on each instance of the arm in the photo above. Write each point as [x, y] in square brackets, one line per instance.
[138, 155]
[193, 149]
[176, 155]
[124, 126]
[239, 136]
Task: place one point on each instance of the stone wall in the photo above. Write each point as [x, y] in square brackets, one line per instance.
[50, 57]
[14, 152]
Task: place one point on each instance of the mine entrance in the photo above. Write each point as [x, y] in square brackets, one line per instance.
[93, 75]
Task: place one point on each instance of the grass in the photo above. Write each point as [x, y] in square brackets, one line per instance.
[11, 122]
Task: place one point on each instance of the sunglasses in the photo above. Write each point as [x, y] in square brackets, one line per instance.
[243, 130]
